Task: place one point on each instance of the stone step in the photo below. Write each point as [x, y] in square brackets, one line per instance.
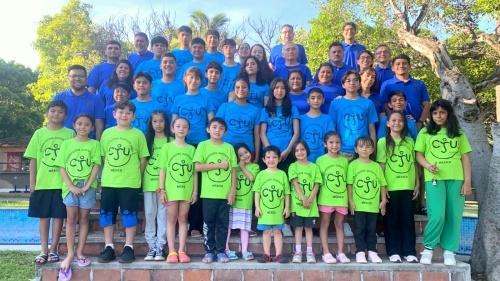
[252, 270]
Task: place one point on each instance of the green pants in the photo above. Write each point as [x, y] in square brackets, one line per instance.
[445, 207]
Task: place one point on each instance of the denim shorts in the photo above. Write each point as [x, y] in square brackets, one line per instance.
[85, 201]
[265, 227]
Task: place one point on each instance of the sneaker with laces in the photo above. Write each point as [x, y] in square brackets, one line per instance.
[426, 257]
[411, 259]
[159, 254]
[347, 230]
[343, 258]
[150, 256]
[311, 258]
[360, 257]
[127, 256]
[395, 258]
[287, 230]
[107, 255]
[373, 257]
[449, 258]
[281, 259]
[297, 257]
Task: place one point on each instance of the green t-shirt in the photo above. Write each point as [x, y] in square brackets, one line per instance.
[44, 146]
[447, 152]
[400, 166]
[244, 194]
[333, 191]
[366, 180]
[122, 151]
[306, 177]
[179, 170]
[272, 188]
[216, 184]
[151, 173]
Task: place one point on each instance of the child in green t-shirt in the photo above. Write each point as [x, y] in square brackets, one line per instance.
[272, 203]
[125, 153]
[443, 151]
[46, 183]
[178, 187]
[306, 178]
[332, 196]
[217, 162]
[397, 158]
[240, 214]
[366, 190]
[157, 134]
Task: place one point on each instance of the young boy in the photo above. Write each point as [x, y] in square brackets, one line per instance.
[125, 154]
[230, 68]
[212, 53]
[144, 103]
[216, 160]
[272, 202]
[121, 92]
[159, 46]
[213, 75]
[353, 116]
[46, 183]
[397, 102]
[198, 49]
[183, 53]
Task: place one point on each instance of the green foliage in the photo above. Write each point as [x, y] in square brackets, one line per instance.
[17, 265]
[20, 114]
[201, 22]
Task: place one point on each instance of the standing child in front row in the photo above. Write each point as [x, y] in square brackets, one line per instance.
[272, 203]
[366, 189]
[178, 187]
[306, 178]
[217, 162]
[443, 151]
[333, 196]
[78, 162]
[240, 214]
[397, 158]
[157, 134]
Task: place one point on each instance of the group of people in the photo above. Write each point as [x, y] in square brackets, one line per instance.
[211, 143]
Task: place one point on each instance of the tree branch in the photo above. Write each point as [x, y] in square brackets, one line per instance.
[402, 16]
[489, 83]
[484, 37]
[423, 12]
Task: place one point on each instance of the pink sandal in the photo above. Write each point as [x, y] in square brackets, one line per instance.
[183, 257]
[173, 258]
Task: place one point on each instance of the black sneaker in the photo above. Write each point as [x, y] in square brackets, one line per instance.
[107, 255]
[127, 255]
[281, 259]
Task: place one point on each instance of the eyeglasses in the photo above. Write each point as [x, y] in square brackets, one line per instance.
[365, 57]
[356, 80]
[386, 52]
[287, 32]
[74, 76]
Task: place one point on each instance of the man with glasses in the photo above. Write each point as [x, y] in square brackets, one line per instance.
[276, 59]
[384, 67]
[351, 46]
[80, 100]
[104, 71]
[141, 42]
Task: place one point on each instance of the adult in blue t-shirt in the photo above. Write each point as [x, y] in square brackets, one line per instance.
[276, 57]
[297, 94]
[339, 68]
[384, 67]
[122, 74]
[351, 46]
[104, 70]
[290, 54]
[121, 92]
[330, 89]
[159, 46]
[141, 42]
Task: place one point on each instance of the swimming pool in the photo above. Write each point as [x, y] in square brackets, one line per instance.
[16, 228]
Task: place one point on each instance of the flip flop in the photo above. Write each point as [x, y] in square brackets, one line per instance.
[231, 255]
[40, 259]
[208, 258]
[222, 258]
[53, 257]
[65, 275]
[248, 256]
[183, 257]
[83, 261]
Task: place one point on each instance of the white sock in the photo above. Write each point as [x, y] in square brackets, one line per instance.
[298, 248]
[309, 249]
[131, 246]
[111, 245]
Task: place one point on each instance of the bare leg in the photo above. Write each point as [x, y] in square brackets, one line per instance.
[56, 234]
[309, 236]
[298, 235]
[130, 234]
[83, 219]
[266, 241]
[278, 241]
[323, 232]
[183, 225]
[72, 218]
[339, 230]
[43, 228]
[172, 212]
[108, 234]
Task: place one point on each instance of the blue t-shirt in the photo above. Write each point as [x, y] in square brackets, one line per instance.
[338, 73]
[100, 73]
[312, 131]
[300, 102]
[201, 65]
[143, 111]
[218, 97]
[284, 70]
[415, 90]
[218, 57]
[276, 56]
[84, 103]
[279, 128]
[194, 108]
[383, 74]
[110, 120]
[351, 53]
[106, 94]
[241, 121]
[152, 67]
[182, 57]
[136, 59]
[165, 93]
[377, 102]
[228, 77]
[331, 92]
[352, 118]
[257, 94]
[412, 128]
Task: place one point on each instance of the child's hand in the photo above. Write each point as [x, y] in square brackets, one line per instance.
[241, 164]
[284, 155]
[75, 190]
[258, 212]
[416, 191]
[224, 164]
[382, 207]
[230, 197]
[466, 189]
[163, 198]
[85, 188]
[286, 212]
[194, 197]
[352, 207]
[433, 168]
[99, 187]
[305, 203]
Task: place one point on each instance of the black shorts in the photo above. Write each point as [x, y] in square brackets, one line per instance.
[297, 221]
[125, 198]
[47, 203]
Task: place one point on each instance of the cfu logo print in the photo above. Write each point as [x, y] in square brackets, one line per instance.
[281, 123]
[151, 169]
[119, 152]
[443, 147]
[401, 160]
[243, 186]
[194, 113]
[218, 175]
[80, 163]
[304, 185]
[335, 180]
[313, 135]
[239, 123]
[141, 119]
[181, 167]
[354, 121]
[366, 185]
[271, 195]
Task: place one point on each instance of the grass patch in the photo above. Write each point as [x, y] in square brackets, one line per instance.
[14, 204]
[17, 265]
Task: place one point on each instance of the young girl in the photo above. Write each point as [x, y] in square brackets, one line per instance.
[78, 161]
[333, 196]
[178, 186]
[259, 52]
[365, 60]
[155, 213]
[366, 190]
[251, 70]
[396, 157]
[443, 151]
[240, 214]
[306, 178]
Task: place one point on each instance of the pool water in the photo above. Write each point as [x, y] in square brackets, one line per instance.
[16, 228]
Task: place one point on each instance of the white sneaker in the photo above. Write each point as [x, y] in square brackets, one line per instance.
[150, 256]
[373, 257]
[411, 259]
[360, 257]
[449, 258]
[287, 231]
[426, 257]
[347, 230]
[395, 258]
